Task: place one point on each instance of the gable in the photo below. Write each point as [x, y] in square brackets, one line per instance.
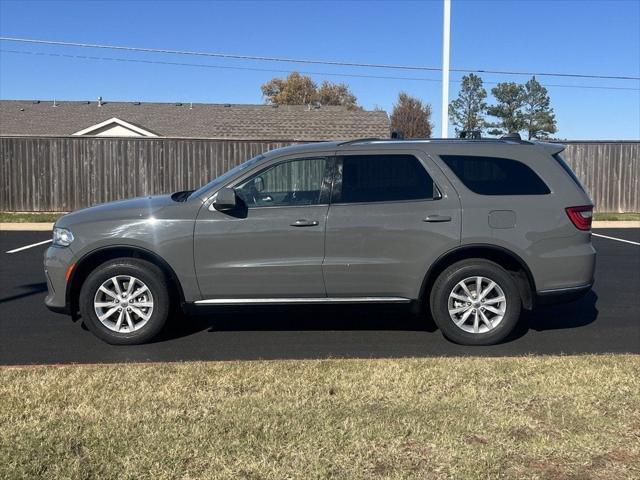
[114, 127]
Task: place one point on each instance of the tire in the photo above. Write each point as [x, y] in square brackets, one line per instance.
[147, 312]
[447, 304]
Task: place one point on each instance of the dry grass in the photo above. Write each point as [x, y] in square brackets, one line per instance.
[616, 216]
[539, 417]
[27, 217]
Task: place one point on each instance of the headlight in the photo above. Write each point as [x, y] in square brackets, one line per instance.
[62, 237]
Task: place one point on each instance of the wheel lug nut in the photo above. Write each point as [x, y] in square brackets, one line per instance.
[120, 309]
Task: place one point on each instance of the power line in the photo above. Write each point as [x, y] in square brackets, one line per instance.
[307, 61]
[227, 67]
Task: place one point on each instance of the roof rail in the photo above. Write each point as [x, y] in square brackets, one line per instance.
[514, 137]
[509, 138]
[360, 140]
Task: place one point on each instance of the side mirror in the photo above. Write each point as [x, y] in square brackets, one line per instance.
[225, 200]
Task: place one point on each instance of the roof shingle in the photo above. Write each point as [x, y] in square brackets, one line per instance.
[197, 120]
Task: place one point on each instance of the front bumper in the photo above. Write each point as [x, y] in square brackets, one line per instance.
[56, 263]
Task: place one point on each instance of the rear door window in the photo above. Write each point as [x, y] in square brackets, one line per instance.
[383, 178]
[495, 175]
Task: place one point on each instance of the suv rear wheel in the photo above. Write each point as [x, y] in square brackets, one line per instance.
[475, 302]
[125, 301]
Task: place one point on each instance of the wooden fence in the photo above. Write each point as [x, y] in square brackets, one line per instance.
[610, 171]
[66, 173]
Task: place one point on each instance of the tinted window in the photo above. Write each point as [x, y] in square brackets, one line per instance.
[495, 176]
[384, 178]
[296, 182]
[226, 176]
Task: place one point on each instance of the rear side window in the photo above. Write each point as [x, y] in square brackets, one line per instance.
[384, 178]
[495, 176]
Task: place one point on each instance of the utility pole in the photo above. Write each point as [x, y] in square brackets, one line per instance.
[445, 69]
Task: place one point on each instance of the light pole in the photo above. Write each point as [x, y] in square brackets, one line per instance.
[445, 69]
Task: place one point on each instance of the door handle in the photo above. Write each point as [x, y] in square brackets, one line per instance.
[301, 222]
[437, 218]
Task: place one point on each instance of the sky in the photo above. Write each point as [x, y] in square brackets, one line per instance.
[584, 37]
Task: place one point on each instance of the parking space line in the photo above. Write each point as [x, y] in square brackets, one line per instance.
[15, 250]
[616, 239]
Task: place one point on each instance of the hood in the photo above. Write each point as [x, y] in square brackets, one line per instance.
[135, 208]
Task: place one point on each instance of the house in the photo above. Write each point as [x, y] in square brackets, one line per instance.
[53, 118]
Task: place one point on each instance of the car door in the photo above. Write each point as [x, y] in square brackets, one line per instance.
[392, 214]
[273, 245]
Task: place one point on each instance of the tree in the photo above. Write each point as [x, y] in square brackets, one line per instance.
[467, 111]
[511, 97]
[299, 89]
[411, 117]
[540, 121]
[336, 94]
[296, 89]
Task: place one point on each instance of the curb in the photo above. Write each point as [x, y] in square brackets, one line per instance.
[26, 227]
[616, 224]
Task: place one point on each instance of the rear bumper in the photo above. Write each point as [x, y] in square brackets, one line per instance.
[562, 295]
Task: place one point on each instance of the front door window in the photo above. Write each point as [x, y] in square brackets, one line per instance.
[290, 183]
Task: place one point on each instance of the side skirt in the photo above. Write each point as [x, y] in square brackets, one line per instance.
[285, 301]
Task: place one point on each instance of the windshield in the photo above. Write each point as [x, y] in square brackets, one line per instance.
[226, 176]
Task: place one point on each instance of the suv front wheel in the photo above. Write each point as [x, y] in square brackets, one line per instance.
[125, 301]
[475, 302]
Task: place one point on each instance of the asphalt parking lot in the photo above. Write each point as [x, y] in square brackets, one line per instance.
[607, 320]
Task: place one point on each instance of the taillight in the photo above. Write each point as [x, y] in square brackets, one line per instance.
[581, 216]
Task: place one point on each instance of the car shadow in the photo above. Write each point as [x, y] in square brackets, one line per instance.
[555, 317]
[359, 317]
[296, 318]
[30, 289]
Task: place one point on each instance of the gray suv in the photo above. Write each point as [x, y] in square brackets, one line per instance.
[472, 231]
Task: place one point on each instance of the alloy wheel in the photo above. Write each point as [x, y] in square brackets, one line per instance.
[123, 304]
[477, 305]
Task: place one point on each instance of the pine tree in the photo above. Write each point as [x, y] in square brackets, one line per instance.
[468, 110]
[540, 121]
[508, 111]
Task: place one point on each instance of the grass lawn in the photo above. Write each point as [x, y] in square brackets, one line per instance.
[616, 216]
[12, 217]
[460, 418]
